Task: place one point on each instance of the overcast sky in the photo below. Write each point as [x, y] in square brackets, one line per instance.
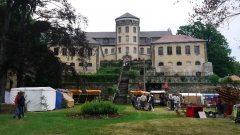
[155, 15]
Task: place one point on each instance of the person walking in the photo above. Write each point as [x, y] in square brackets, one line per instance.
[151, 102]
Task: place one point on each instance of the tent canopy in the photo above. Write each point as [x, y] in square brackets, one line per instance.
[157, 91]
[93, 91]
[75, 91]
[139, 92]
[36, 97]
[229, 94]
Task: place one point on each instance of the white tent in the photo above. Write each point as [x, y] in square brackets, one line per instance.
[37, 98]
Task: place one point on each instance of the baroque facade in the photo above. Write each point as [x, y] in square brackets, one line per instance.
[169, 54]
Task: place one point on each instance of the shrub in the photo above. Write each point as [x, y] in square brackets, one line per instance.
[132, 74]
[102, 107]
[111, 90]
[213, 79]
[227, 79]
[182, 78]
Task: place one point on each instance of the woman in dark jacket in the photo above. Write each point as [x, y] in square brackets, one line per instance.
[21, 102]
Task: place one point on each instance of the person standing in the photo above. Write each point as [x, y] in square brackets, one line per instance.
[171, 103]
[139, 85]
[21, 102]
[219, 105]
[133, 99]
[143, 101]
[16, 104]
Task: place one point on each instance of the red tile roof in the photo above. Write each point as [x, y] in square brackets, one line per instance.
[178, 39]
[235, 78]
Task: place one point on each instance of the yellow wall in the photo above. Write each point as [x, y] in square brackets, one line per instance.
[188, 60]
[145, 56]
[79, 69]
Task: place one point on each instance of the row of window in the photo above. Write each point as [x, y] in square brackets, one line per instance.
[127, 29]
[197, 73]
[127, 39]
[106, 40]
[179, 50]
[73, 51]
[179, 63]
[127, 50]
[80, 64]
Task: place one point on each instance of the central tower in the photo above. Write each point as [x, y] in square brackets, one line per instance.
[127, 37]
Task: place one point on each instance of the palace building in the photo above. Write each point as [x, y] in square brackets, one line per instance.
[169, 54]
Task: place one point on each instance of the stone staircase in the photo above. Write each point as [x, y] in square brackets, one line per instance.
[123, 87]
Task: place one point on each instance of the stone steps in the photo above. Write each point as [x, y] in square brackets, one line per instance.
[123, 87]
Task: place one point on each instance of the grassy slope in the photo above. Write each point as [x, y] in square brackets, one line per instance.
[138, 122]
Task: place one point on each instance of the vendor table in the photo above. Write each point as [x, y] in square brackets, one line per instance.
[191, 110]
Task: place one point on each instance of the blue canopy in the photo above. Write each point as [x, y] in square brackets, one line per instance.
[59, 97]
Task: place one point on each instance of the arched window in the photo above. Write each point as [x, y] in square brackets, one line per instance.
[134, 50]
[160, 50]
[119, 50]
[119, 39]
[187, 49]
[56, 51]
[119, 29]
[160, 64]
[178, 50]
[141, 50]
[197, 63]
[127, 38]
[196, 49]
[112, 51]
[106, 51]
[198, 73]
[169, 50]
[179, 63]
[134, 39]
[127, 29]
[72, 64]
[127, 50]
[134, 30]
[89, 65]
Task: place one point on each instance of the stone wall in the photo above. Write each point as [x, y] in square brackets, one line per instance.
[173, 79]
[183, 87]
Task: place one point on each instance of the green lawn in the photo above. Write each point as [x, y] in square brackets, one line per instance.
[137, 123]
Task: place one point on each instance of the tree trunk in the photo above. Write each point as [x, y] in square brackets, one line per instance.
[3, 78]
[20, 77]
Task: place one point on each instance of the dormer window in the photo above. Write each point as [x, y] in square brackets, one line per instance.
[105, 40]
[149, 40]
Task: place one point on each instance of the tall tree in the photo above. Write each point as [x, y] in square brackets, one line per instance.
[56, 22]
[218, 51]
[214, 12]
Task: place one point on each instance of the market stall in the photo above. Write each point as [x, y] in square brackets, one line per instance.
[138, 92]
[93, 92]
[78, 92]
[157, 94]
